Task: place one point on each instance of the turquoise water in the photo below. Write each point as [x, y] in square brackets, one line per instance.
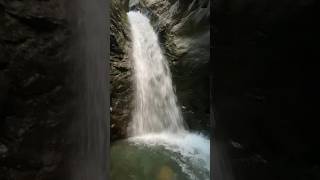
[134, 160]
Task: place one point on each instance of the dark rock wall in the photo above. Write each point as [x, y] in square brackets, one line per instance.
[266, 91]
[120, 70]
[34, 91]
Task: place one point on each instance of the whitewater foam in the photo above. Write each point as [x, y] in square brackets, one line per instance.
[193, 149]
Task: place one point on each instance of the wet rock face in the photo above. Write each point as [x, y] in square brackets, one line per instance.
[120, 70]
[34, 91]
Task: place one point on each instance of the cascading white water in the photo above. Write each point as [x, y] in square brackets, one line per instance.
[155, 105]
[157, 119]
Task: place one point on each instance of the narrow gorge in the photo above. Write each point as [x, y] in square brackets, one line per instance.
[159, 134]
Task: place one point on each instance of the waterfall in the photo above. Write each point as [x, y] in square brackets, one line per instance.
[155, 104]
[156, 119]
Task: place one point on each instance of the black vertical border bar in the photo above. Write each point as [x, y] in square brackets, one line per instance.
[211, 90]
[220, 167]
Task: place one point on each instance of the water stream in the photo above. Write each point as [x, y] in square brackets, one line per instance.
[156, 107]
[160, 146]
